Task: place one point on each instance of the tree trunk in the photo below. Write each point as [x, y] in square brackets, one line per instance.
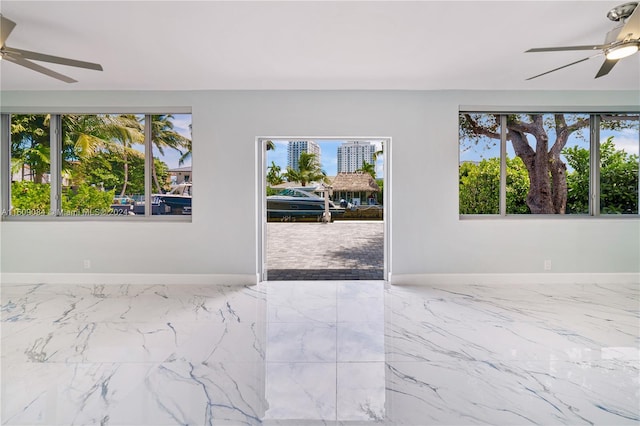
[558, 184]
[155, 177]
[547, 179]
[557, 167]
[539, 196]
[126, 173]
[539, 199]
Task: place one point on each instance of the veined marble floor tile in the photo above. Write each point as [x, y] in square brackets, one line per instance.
[89, 342]
[216, 393]
[514, 393]
[64, 303]
[361, 391]
[366, 309]
[301, 290]
[301, 391]
[301, 342]
[360, 289]
[427, 325]
[289, 308]
[320, 353]
[72, 394]
[133, 394]
[360, 342]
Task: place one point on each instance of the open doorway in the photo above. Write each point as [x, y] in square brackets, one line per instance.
[324, 208]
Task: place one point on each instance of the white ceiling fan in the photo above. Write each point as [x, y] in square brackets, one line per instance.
[24, 57]
[620, 42]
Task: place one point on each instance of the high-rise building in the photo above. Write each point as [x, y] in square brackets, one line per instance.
[353, 154]
[295, 148]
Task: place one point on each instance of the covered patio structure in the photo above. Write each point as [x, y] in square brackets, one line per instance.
[357, 188]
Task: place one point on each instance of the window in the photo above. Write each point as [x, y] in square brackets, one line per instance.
[30, 167]
[102, 164]
[548, 163]
[480, 167]
[98, 165]
[619, 165]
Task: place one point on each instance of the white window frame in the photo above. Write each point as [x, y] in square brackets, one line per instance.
[594, 159]
[56, 163]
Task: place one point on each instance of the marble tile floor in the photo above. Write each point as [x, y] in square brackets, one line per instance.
[320, 353]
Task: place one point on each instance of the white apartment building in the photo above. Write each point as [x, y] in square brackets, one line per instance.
[296, 148]
[352, 155]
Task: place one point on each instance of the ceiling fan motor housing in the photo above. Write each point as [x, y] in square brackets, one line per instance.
[622, 11]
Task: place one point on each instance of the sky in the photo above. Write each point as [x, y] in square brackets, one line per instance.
[626, 139]
[328, 155]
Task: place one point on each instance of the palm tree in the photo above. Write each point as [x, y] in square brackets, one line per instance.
[88, 135]
[84, 135]
[164, 136]
[30, 145]
[378, 153]
[187, 154]
[273, 176]
[308, 170]
[131, 132]
[368, 168]
[270, 146]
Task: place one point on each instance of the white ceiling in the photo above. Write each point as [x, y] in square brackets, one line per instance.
[196, 45]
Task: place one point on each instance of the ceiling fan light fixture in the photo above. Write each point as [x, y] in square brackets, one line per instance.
[622, 51]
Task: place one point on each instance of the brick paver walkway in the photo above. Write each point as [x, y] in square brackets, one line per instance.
[346, 250]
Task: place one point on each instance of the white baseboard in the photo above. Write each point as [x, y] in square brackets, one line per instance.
[515, 279]
[251, 279]
[120, 279]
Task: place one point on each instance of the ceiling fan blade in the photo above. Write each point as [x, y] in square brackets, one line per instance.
[35, 56]
[606, 67]
[6, 26]
[631, 28]
[565, 48]
[559, 68]
[38, 68]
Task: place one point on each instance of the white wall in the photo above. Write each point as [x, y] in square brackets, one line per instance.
[427, 235]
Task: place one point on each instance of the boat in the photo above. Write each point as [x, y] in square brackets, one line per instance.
[293, 204]
[175, 202]
[178, 199]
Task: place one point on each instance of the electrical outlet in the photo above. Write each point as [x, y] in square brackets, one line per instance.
[547, 265]
[87, 264]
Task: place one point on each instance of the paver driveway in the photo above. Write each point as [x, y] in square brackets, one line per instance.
[342, 250]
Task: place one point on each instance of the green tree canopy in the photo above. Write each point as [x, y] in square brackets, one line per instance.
[618, 179]
[480, 187]
[480, 183]
[30, 152]
[368, 168]
[273, 175]
[309, 170]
